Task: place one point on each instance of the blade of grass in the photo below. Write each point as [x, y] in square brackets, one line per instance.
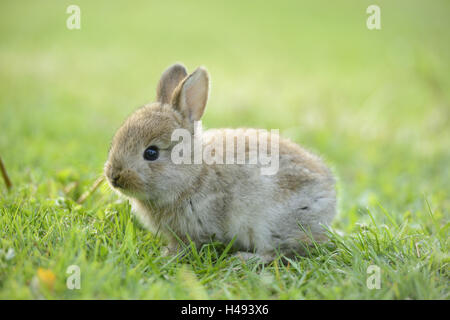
[5, 175]
[91, 190]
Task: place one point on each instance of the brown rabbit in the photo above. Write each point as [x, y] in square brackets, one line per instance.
[265, 213]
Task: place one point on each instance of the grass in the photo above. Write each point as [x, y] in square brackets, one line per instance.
[375, 104]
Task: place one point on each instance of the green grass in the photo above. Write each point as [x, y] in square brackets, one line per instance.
[375, 104]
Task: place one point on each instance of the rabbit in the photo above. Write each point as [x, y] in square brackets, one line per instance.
[265, 215]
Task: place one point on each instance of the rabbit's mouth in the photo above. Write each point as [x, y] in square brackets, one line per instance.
[128, 192]
[124, 180]
[127, 187]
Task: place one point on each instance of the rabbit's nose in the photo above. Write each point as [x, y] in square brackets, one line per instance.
[115, 181]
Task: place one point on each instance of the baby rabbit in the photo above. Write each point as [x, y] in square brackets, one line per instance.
[265, 214]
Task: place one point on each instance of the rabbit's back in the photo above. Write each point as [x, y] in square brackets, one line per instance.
[267, 210]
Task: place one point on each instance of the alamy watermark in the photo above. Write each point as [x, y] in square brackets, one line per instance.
[233, 147]
[74, 278]
[374, 280]
[74, 20]
[374, 20]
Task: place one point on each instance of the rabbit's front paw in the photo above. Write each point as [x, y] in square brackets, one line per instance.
[170, 250]
[246, 256]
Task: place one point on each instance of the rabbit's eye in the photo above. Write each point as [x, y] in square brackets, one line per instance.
[151, 153]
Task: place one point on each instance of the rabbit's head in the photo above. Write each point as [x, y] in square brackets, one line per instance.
[139, 164]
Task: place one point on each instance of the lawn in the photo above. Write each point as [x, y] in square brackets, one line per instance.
[374, 103]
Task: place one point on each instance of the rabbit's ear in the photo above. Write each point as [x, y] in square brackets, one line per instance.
[191, 95]
[169, 81]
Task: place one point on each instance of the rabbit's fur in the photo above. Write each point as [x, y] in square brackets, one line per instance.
[265, 213]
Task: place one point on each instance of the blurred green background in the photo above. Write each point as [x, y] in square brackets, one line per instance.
[373, 103]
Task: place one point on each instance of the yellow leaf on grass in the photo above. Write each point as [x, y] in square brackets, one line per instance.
[46, 277]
